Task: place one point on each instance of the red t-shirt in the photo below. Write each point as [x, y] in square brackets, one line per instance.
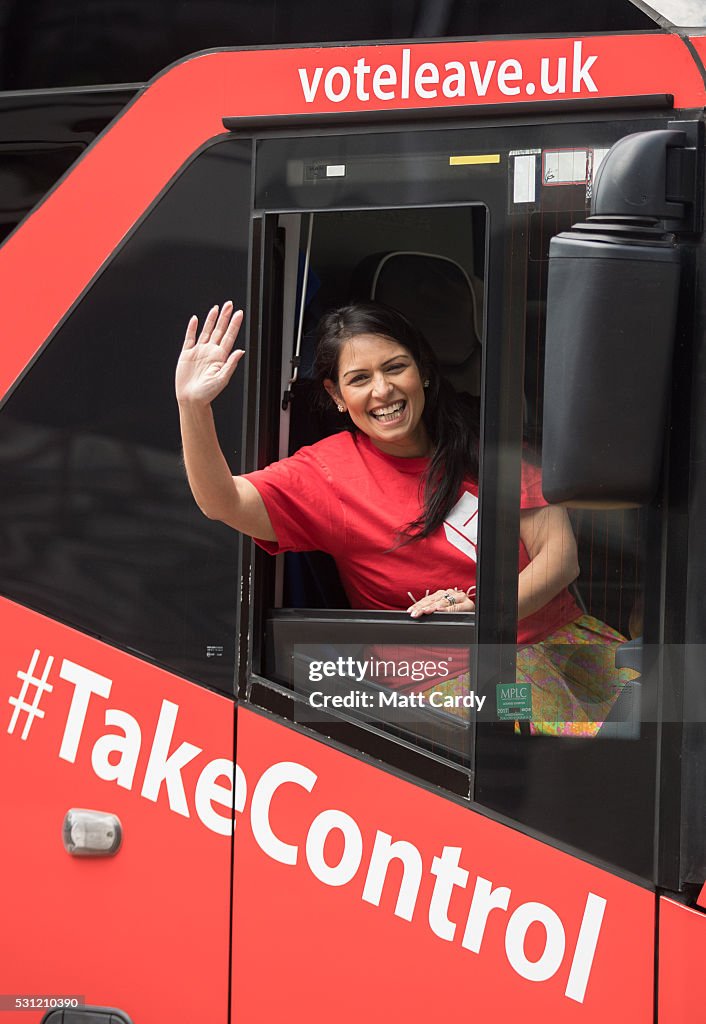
[344, 496]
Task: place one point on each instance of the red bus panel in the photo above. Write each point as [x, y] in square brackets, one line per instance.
[359, 895]
[88, 726]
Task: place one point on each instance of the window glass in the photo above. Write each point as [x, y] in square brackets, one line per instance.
[406, 677]
[100, 530]
[43, 133]
[548, 756]
[575, 759]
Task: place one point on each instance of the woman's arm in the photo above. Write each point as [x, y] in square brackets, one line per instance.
[549, 540]
[205, 366]
[547, 535]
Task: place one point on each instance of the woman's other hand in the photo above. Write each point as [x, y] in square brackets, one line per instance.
[207, 362]
[449, 600]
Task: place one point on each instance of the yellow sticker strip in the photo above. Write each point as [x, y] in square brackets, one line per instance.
[486, 158]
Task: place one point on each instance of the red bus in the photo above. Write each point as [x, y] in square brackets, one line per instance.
[193, 833]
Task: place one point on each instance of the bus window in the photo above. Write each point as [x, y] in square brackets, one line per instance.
[101, 530]
[578, 763]
[429, 263]
[360, 199]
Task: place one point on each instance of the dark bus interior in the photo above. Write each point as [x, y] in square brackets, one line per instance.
[430, 264]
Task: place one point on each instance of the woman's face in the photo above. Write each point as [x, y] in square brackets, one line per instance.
[380, 386]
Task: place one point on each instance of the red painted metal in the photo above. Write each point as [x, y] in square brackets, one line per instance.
[681, 955]
[329, 952]
[148, 929]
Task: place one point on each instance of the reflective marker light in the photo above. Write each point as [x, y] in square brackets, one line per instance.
[91, 833]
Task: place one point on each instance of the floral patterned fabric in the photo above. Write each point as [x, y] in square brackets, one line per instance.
[572, 675]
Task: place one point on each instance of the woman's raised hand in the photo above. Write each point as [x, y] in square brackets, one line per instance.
[206, 363]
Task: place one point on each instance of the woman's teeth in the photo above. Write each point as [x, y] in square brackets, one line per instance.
[389, 412]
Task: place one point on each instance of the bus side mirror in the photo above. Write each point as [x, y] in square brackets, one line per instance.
[611, 316]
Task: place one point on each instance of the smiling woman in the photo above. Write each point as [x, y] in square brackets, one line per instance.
[394, 498]
[380, 387]
[378, 367]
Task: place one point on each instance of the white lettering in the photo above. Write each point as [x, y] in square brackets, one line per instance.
[509, 71]
[310, 89]
[209, 792]
[585, 947]
[241, 791]
[406, 54]
[518, 925]
[387, 82]
[448, 875]
[321, 827]
[220, 792]
[165, 767]
[482, 84]
[362, 670]
[127, 745]
[580, 71]
[269, 783]
[331, 94]
[560, 84]
[86, 683]
[384, 852]
[383, 77]
[485, 899]
[360, 70]
[455, 83]
[425, 75]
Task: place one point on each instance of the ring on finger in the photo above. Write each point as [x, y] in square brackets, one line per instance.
[451, 599]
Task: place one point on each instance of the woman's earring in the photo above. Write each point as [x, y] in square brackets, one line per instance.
[341, 408]
[426, 383]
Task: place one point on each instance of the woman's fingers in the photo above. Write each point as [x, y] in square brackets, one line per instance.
[207, 363]
[222, 322]
[230, 364]
[451, 600]
[427, 605]
[233, 328]
[208, 325]
[461, 601]
[220, 327]
[191, 329]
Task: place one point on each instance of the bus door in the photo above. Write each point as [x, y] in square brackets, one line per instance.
[645, 421]
[121, 631]
[466, 212]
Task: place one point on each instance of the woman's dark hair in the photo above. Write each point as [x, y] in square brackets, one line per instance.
[451, 419]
